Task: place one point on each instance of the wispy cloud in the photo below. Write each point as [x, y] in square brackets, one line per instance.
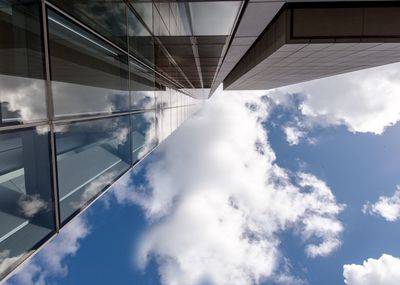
[381, 271]
[218, 202]
[386, 207]
[50, 261]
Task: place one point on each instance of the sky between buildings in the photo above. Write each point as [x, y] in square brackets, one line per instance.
[298, 185]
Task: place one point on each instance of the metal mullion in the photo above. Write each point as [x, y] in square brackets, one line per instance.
[105, 116]
[129, 87]
[50, 113]
[24, 126]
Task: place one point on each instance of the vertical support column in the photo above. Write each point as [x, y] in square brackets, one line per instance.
[129, 86]
[50, 114]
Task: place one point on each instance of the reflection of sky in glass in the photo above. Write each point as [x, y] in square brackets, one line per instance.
[25, 196]
[213, 18]
[143, 134]
[75, 99]
[90, 155]
[22, 99]
[142, 100]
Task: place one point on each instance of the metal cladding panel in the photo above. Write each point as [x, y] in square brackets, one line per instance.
[307, 42]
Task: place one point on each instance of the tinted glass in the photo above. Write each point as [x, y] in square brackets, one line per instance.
[26, 212]
[145, 11]
[143, 134]
[140, 40]
[90, 156]
[107, 17]
[89, 76]
[141, 86]
[22, 88]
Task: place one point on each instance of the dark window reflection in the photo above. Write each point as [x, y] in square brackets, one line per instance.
[90, 156]
[22, 88]
[89, 76]
[26, 213]
[143, 134]
[142, 86]
[140, 40]
[145, 11]
[107, 17]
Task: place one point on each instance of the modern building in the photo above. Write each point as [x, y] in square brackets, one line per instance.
[88, 88]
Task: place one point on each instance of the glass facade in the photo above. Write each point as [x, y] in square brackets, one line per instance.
[90, 156]
[88, 76]
[81, 102]
[26, 197]
[22, 85]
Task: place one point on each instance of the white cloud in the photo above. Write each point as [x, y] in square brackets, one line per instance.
[386, 207]
[366, 101]
[382, 271]
[293, 135]
[50, 261]
[218, 202]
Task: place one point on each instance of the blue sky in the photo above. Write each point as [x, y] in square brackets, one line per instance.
[280, 187]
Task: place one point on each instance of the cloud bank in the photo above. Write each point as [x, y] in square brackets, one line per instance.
[386, 207]
[366, 101]
[218, 202]
[381, 271]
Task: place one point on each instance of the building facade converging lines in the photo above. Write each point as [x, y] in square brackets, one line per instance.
[89, 88]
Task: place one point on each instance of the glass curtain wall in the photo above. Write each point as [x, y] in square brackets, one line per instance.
[22, 86]
[73, 124]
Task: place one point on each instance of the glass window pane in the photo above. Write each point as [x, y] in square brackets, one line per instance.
[90, 156]
[107, 17]
[214, 17]
[165, 123]
[26, 207]
[142, 86]
[89, 76]
[145, 11]
[163, 98]
[141, 42]
[143, 134]
[22, 88]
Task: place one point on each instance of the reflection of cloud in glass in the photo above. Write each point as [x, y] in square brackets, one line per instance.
[142, 99]
[22, 99]
[150, 135]
[6, 260]
[121, 136]
[42, 130]
[163, 98]
[76, 99]
[93, 189]
[30, 205]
